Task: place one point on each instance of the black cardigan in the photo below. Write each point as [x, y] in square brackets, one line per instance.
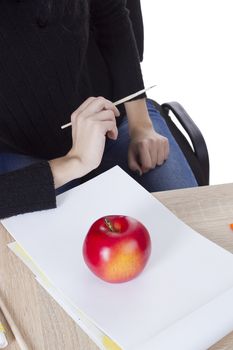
[45, 76]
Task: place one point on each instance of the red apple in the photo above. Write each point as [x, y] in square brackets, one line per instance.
[117, 248]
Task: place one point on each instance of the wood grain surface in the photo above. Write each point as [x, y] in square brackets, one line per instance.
[44, 324]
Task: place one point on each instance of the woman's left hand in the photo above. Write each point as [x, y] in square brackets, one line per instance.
[147, 149]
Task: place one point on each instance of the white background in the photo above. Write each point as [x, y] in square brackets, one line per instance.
[189, 55]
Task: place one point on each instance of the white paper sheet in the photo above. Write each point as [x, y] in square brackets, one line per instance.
[185, 271]
[93, 332]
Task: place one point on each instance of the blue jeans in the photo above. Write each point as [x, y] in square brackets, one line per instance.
[173, 174]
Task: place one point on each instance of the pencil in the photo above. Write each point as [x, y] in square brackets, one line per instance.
[123, 100]
[3, 340]
[15, 330]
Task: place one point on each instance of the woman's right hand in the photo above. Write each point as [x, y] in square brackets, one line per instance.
[91, 123]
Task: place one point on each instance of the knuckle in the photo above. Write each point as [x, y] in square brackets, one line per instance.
[165, 141]
[91, 98]
[101, 99]
[110, 114]
[73, 117]
[157, 140]
[143, 143]
[152, 141]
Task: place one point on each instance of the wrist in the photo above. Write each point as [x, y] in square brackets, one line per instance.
[140, 128]
[65, 169]
[138, 116]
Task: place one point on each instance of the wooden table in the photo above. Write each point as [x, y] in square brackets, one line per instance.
[43, 323]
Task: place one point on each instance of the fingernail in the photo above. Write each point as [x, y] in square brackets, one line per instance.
[118, 112]
[138, 172]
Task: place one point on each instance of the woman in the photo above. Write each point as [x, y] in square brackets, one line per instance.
[53, 57]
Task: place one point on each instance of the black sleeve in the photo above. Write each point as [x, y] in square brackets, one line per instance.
[135, 13]
[117, 43]
[27, 190]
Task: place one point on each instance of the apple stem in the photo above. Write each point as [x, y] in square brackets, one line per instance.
[109, 224]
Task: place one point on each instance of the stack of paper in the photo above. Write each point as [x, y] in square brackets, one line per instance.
[183, 300]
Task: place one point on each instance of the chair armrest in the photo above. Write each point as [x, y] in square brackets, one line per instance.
[194, 133]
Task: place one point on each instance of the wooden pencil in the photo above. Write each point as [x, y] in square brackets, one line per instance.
[15, 330]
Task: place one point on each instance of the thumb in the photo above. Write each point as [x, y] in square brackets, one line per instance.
[133, 162]
[112, 134]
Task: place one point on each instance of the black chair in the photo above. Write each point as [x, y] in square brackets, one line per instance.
[197, 156]
[197, 153]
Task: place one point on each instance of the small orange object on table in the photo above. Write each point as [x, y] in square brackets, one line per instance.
[231, 226]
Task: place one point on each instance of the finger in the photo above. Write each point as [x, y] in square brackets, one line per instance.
[109, 128]
[144, 157]
[78, 111]
[98, 105]
[100, 116]
[153, 154]
[104, 116]
[133, 160]
[167, 150]
[112, 134]
[84, 105]
[161, 153]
